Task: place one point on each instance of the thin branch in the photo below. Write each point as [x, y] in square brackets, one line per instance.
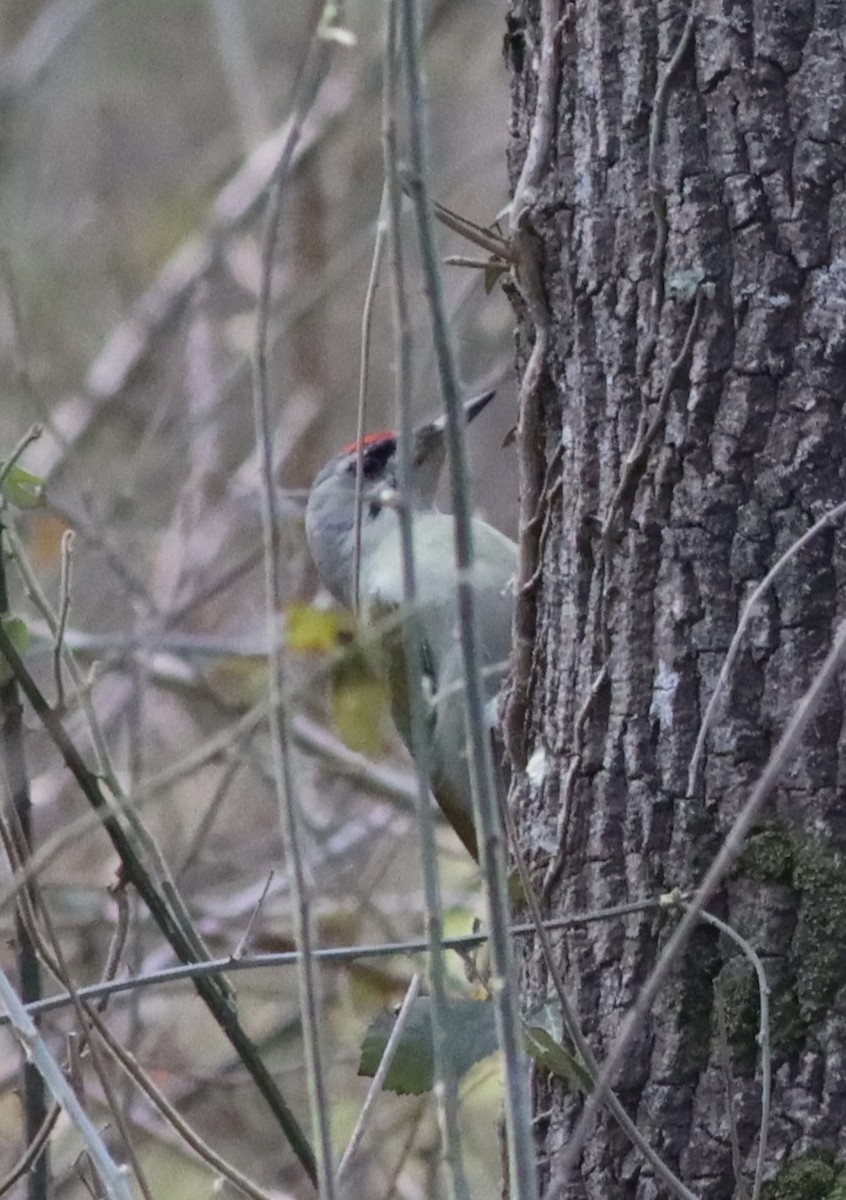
[14, 768]
[216, 996]
[763, 1042]
[50, 950]
[64, 609]
[147, 852]
[33, 1150]
[656, 194]
[649, 429]
[244, 940]
[446, 1083]
[485, 239]
[528, 253]
[363, 372]
[833, 514]
[378, 1081]
[6, 465]
[157, 1098]
[114, 1179]
[336, 956]
[521, 1150]
[313, 74]
[573, 1028]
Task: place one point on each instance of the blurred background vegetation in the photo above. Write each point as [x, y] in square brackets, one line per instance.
[137, 139]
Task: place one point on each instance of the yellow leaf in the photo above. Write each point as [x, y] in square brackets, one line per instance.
[310, 630]
[360, 705]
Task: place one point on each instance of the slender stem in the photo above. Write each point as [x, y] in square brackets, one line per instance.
[313, 74]
[216, 996]
[114, 1181]
[363, 372]
[828, 518]
[446, 1083]
[14, 766]
[378, 1080]
[336, 955]
[763, 1041]
[521, 1151]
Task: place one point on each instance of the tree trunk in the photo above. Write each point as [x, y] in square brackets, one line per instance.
[685, 429]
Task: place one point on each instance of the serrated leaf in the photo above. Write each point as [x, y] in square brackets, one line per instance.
[23, 489]
[470, 1037]
[549, 1053]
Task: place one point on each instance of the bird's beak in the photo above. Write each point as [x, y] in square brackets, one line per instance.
[472, 408]
[429, 438]
[429, 446]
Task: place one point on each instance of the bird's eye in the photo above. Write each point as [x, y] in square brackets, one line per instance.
[377, 457]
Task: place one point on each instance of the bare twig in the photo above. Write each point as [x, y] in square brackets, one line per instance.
[377, 1083]
[363, 371]
[651, 426]
[244, 940]
[521, 1152]
[485, 239]
[336, 955]
[656, 195]
[313, 74]
[446, 1083]
[763, 1042]
[829, 518]
[16, 778]
[50, 950]
[32, 1151]
[61, 624]
[573, 1028]
[114, 1180]
[156, 1097]
[413, 1130]
[528, 254]
[31, 435]
[216, 997]
[146, 851]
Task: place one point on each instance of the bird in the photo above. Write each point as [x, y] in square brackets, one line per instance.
[381, 606]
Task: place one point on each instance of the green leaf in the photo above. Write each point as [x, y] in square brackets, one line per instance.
[23, 489]
[544, 1031]
[549, 1053]
[18, 634]
[470, 1037]
[493, 271]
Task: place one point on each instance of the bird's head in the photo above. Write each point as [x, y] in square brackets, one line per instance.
[330, 512]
